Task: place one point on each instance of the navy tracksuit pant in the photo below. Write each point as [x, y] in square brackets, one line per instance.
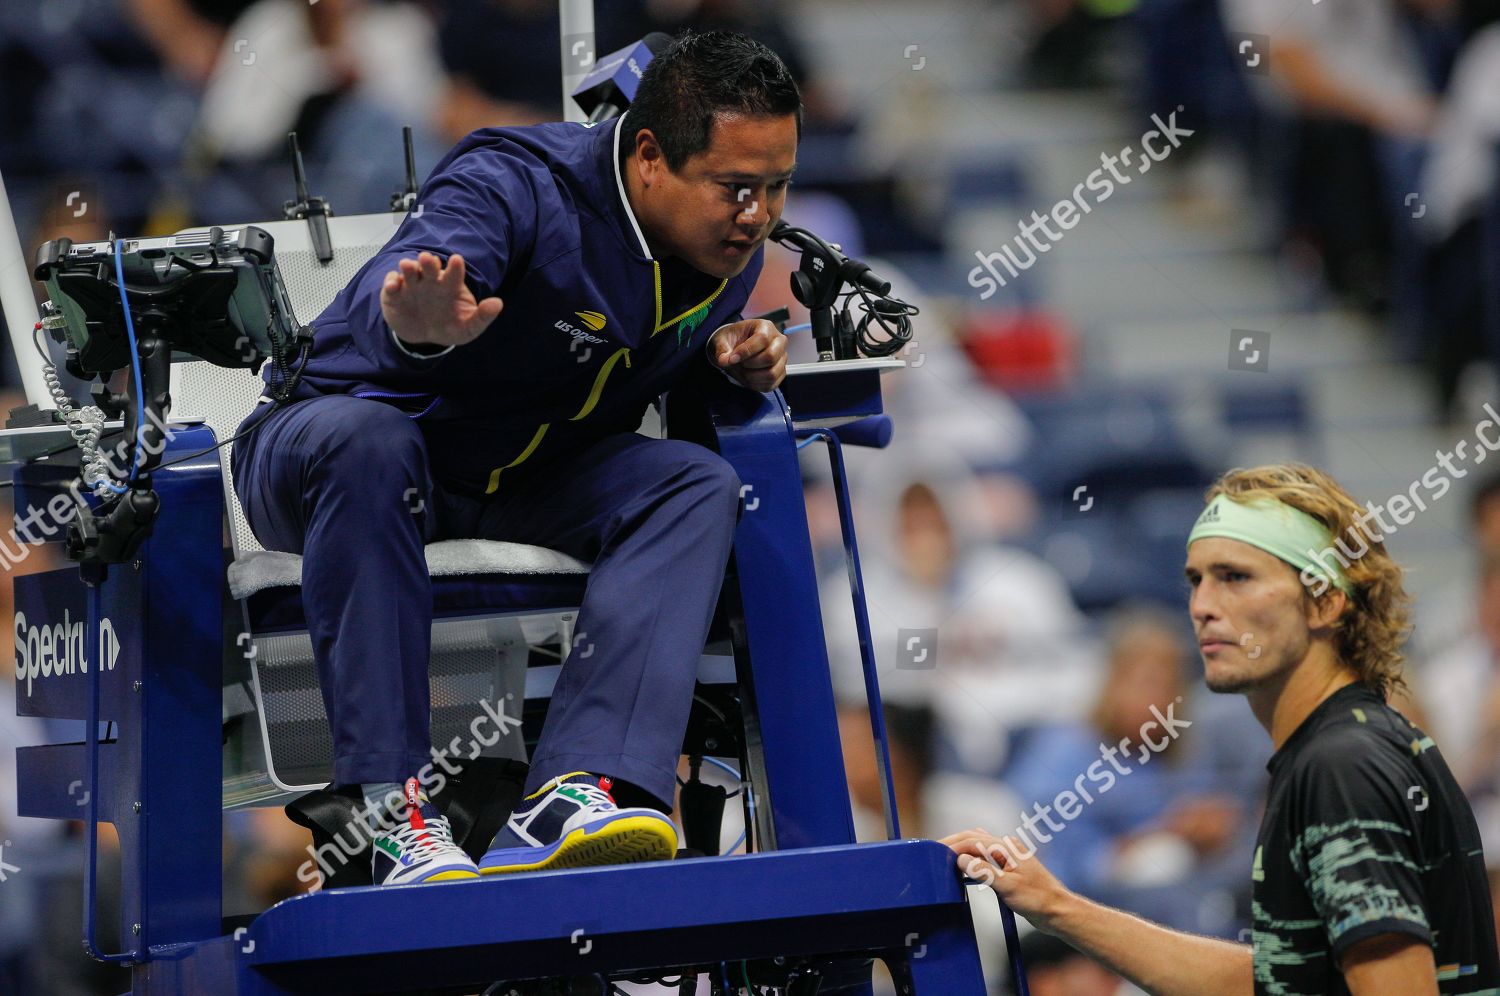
[345, 482]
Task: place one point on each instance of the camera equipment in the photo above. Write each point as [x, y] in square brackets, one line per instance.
[141, 303]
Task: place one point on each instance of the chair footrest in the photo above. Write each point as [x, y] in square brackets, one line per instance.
[610, 919]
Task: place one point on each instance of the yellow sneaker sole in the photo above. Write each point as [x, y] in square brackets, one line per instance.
[635, 838]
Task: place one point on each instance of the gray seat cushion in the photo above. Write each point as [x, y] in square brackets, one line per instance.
[263, 569]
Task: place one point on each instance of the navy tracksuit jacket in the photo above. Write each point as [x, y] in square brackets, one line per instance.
[524, 434]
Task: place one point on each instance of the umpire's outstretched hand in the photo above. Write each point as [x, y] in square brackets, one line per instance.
[427, 302]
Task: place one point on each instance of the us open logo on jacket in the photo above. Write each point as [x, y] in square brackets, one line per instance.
[592, 320]
[690, 323]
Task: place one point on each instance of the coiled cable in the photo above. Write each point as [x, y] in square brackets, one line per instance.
[85, 424]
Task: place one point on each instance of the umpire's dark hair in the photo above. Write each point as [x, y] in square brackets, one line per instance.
[704, 74]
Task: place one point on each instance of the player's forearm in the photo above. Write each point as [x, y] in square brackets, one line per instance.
[1163, 962]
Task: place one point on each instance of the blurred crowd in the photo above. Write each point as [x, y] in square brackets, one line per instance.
[1012, 637]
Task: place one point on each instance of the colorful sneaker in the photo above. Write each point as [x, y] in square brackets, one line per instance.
[421, 848]
[573, 821]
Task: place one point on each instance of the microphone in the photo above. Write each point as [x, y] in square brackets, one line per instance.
[851, 271]
[817, 282]
[610, 86]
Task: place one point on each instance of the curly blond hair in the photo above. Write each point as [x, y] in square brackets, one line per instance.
[1375, 622]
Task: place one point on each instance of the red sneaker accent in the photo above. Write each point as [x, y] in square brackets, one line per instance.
[414, 806]
[607, 783]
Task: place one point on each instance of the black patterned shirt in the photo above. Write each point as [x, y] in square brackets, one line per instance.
[1367, 833]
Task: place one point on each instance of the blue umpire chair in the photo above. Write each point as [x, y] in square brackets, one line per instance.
[191, 668]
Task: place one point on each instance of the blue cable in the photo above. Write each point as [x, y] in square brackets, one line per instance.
[135, 359]
[796, 328]
[720, 764]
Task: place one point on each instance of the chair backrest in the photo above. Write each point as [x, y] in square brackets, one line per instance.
[222, 396]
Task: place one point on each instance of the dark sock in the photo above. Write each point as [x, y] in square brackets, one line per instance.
[630, 796]
[383, 800]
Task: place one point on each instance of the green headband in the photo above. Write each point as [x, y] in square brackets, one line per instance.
[1279, 529]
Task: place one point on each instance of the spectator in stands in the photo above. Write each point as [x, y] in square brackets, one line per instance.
[85, 97]
[909, 734]
[1458, 190]
[1354, 103]
[986, 635]
[345, 75]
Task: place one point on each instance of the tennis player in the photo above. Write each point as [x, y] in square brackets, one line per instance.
[1368, 877]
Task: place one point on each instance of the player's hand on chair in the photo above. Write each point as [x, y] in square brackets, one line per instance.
[752, 351]
[424, 301]
[1026, 885]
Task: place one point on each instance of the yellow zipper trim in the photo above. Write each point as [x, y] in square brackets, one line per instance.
[656, 285]
[603, 375]
[604, 372]
[536, 441]
[656, 278]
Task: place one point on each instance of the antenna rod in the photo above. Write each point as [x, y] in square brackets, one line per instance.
[411, 161]
[314, 209]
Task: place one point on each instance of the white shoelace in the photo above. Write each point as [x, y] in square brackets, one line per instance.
[430, 841]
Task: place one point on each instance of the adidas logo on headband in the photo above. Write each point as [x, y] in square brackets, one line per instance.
[1210, 514]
